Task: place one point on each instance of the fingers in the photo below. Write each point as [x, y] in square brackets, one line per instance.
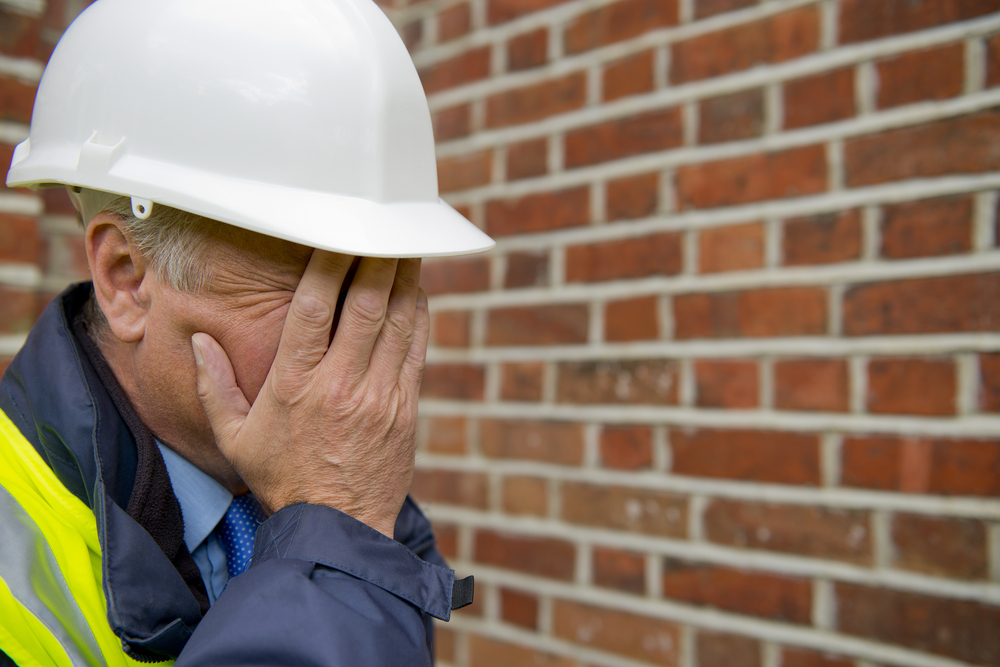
[224, 402]
[412, 370]
[396, 336]
[364, 313]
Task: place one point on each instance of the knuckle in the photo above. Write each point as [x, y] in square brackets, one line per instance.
[312, 312]
[367, 309]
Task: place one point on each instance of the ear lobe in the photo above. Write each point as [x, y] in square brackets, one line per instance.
[118, 271]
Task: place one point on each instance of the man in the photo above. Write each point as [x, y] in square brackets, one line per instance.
[248, 173]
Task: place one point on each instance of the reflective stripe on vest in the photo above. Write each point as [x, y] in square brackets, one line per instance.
[52, 605]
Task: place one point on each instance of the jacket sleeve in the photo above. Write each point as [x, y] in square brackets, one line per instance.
[325, 589]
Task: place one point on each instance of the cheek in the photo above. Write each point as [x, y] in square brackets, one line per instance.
[253, 351]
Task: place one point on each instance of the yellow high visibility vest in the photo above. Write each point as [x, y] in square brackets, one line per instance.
[52, 605]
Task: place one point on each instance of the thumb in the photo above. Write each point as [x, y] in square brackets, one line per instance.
[224, 402]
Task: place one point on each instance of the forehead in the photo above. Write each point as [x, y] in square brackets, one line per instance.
[237, 257]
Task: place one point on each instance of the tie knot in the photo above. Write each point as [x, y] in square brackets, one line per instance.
[237, 529]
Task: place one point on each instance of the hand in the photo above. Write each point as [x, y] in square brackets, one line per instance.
[334, 422]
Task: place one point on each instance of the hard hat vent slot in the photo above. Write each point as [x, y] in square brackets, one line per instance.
[141, 208]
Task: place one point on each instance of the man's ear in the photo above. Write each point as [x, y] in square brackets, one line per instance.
[118, 270]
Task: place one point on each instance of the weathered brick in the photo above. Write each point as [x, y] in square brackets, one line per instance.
[629, 76]
[527, 269]
[811, 384]
[540, 556]
[550, 442]
[540, 212]
[453, 22]
[525, 496]
[554, 324]
[726, 383]
[861, 20]
[614, 139]
[626, 447]
[947, 304]
[779, 457]
[621, 570]
[616, 22]
[993, 60]
[731, 248]
[705, 8]
[18, 33]
[536, 101]
[501, 11]
[464, 68]
[911, 386]
[989, 382]
[769, 40]
[819, 98]
[798, 657]
[19, 239]
[639, 381]
[444, 645]
[632, 319]
[632, 197]
[942, 546]
[645, 511]
[521, 381]
[486, 652]
[790, 173]
[915, 76]
[808, 530]
[16, 100]
[451, 123]
[527, 159]
[519, 608]
[929, 227]
[916, 465]
[782, 311]
[646, 639]
[18, 309]
[966, 144]
[720, 649]
[449, 276]
[655, 255]
[56, 200]
[731, 117]
[443, 435]
[451, 328]
[530, 49]
[465, 171]
[741, 591]
[463, 382]
[450, 487]
[822, 239]
[961, 629]
[412, 34]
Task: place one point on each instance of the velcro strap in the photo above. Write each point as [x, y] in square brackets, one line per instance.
[462, 592]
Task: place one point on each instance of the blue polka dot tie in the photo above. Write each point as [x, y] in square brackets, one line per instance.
[237, 529]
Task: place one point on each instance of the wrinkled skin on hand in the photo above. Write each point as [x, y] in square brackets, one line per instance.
[334, 423]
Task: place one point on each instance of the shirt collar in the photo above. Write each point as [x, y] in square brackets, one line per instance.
[203, 500]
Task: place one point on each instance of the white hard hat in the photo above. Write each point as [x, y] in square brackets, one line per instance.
[300, 119]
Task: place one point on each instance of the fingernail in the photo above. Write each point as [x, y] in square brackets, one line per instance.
[196, 348]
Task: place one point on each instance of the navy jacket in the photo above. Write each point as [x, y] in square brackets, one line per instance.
[321, 588]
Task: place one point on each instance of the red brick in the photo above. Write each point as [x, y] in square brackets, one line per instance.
[525, 496]
[644, 511]
[811, 384]
[732, 248]
[412, 33]
[781, 311]
[807, 530]
[822, 239]
[18, 309]
[616, 22]
[726, 383]
[650, 640]
[451, 328]
[639, 381]
[633, 319]
[993, 60]
[633, 197]
[18, 33]
[645, 133]
[528, 50]
[778, 457]
[536, 101]
[56, 200]
[770, 40]
[929, 227]
[791, 173]
[629, 76]
[820, 98]
[719, 649]
[741, 591]
[549, 442]
[961, 629]
[485, 652]
[797, 657]
[966, 144]
[731, 117]
[527, 159]
[989, 378]
[16, 100]
[554, 324]
[527, 269]
[18, 239]
[522, 382]
[500, 11]
[705, 8]
[912, 386]
[540, 212]
[450, 276]
[465, 171]
[450, 487]
[453, 22]
[519, 608]
[621, 570]
[656, 255]
[941, 546]
[456, 71]
[444, 644]
[462, 382]
[626, 447]
[445, 435]
[862, 20]
[540, 556]
[928, 74]
[913, 465]
[451, 123]
[924, 305]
